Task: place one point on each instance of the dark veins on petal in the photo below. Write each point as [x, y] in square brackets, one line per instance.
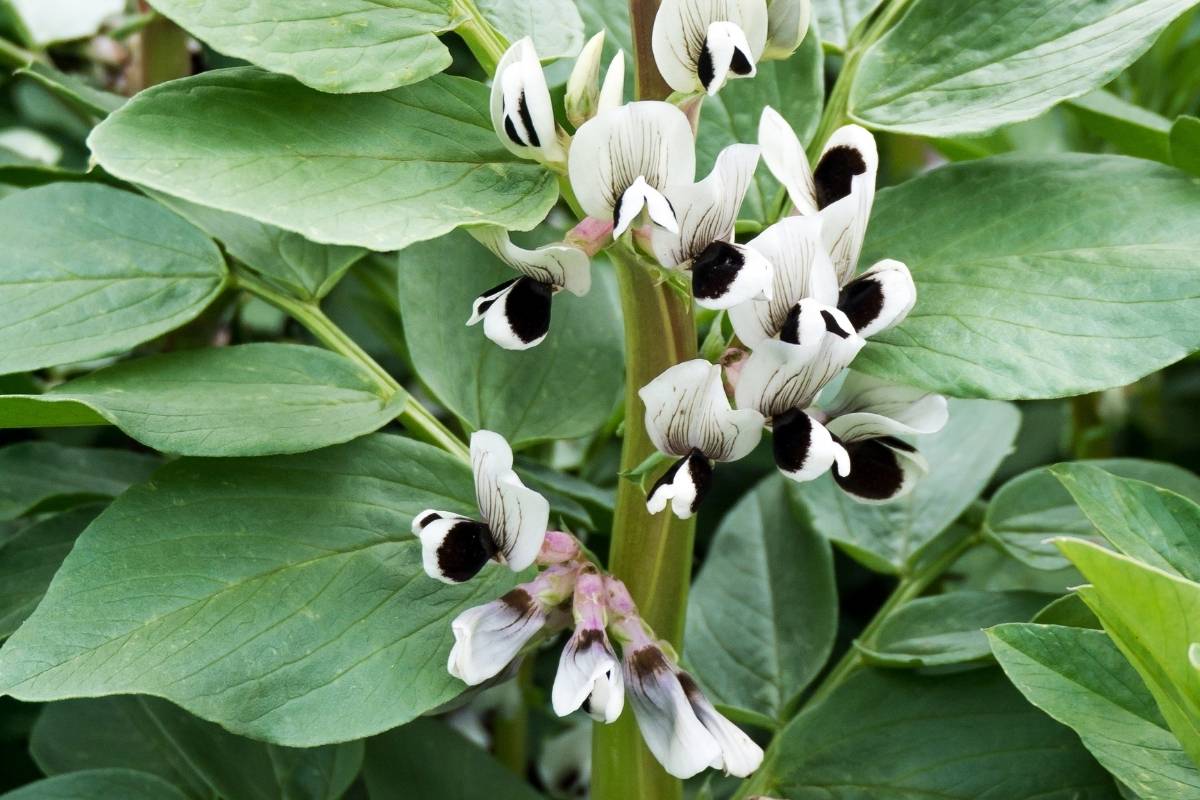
[715, 270]
[876, 472]
[835, 173]
[467, 547]
[792, 440]
[861, 301]
[527, 308]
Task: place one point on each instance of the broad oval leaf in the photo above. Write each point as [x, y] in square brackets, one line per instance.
[44, 476]
[373, 170]
[331, 45]
[1131, 129]
[1081, 679]
[954, 67]
[564, 388]
[280, 597]
[837, 19]
[1038, 277]
[762, 615]
[126, 784]
[555, 26]
[246, 400]
[90, 271]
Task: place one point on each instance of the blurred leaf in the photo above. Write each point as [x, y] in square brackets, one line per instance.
[1185, 144]
[125, 784]
[280, 597]
[73, 90]
[762, 614]
[42, 476]
[837, 19]
[1131, 129]
[49, 21]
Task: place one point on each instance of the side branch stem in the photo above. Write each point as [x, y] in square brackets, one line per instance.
[485, 42]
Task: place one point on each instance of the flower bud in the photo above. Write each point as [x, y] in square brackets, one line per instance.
[583, 87]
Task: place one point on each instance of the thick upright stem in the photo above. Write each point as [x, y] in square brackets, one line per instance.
[160, 53]
[652, 554]
[650, 83]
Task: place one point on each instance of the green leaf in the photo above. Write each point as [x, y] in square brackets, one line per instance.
[837, 19]
[1037, 276]
[564, 388]
[947, 628]
[762, 615]
[1153, 525]
[427, 759]
[1153, 617]
[1185, 144]
[1081, 679]
[73, 90]
[965, 736]
[1068, 610]
[1035, 506]
[42, 476]
[794, 87]
[953, 67]
[280, 597]
[372, 170]
[123, 783]
[613, 19]
[554, 25]
[29, 560]
[304, 269]
[247, 400]
[890, 536]
[90, 271]
[331, 45]
[1133, 130]
[200, 758]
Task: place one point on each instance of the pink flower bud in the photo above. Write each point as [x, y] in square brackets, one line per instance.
[591, 235]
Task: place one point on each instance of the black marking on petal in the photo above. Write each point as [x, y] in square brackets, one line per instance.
[861, 300]
[484, 301]
[668, 477]
[467, 547]
[590, 637]
[701, 470]
[519, 601]
[617, 208]
[691, 689]
[740, 65]
[527, 121]
[648, 662]
[897, 444]
[790, 332]
[834, 175]
[792, 440]
[833, 326]
[876, 472]
[704, 67]
[715, 270]
[424, 520]
[510, 128]
[527, 308]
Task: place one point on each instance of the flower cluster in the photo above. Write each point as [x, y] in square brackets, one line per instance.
[678, 722]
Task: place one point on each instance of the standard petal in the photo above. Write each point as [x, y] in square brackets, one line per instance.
[684, 486]
[488, 637]
[521, 110]
[725, 275]
[787, 23]
[517, 516]
[668, 724]
[560, 265]
[686, 409]
[692, 56]
[801, 269]
[706, 211]
[804, 449]
[844, 183]
[515, 314]
[868, 407]
[739, 754]
[454, 549]
[786, 159]
[651, 140]
[878, 299]
[588, 669]
[881, 469]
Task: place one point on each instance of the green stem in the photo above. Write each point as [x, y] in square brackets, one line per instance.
[414, 416]
[12, 55]
[652, 554]
[485, 42]
[511, 734]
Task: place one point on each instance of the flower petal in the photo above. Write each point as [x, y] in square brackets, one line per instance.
[684, 485]
[641, 195]
[650, 139]
[583, 85]
[668, 724]
[588, 670]
[725, 275]
[801, 269]
[560, 265]
[686, 409]
[488, 637]
[455, 549]
[706, 211]
[515, 314]
[878, 299]
[692, 54]
[868, 407]
[844, 183]
[786, 159]
[612, 91]
[739, 754]
[431, 515]
[804, 449]
[881, 469]
[521, 111]
[517, 516]
[787, 24]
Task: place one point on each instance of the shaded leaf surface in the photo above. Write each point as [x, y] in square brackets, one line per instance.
[44, 476]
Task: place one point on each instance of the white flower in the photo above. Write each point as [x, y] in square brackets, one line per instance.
[688, 416]
[787, 24]
[699, 44]
[740, 756]
[585, 96]
[589, 672]
[522, 113]
[455, 548]
[623, 159]
[516, 314]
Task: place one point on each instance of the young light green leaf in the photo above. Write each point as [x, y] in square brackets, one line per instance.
[1185, 144]
[1035, 506]
[888, 734]
[947, 628]
[1081, 679]
[837, 19]
[1153, 617]
[331, 45]
[962, 458]
[954, 67]
[1038, 277]
[126, 784]
[1133, 130]
[280, 597]
[90, 271]
[762, 615]
[564, 388]
[247, 400]
[373, 170]
[43, 476]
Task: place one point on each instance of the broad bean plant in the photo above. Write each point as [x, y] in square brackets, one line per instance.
[564, 398]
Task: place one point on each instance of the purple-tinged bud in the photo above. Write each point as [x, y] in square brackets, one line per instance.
[558, 548]
[591, 235]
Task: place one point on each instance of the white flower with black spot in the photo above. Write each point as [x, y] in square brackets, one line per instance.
[700, 44]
